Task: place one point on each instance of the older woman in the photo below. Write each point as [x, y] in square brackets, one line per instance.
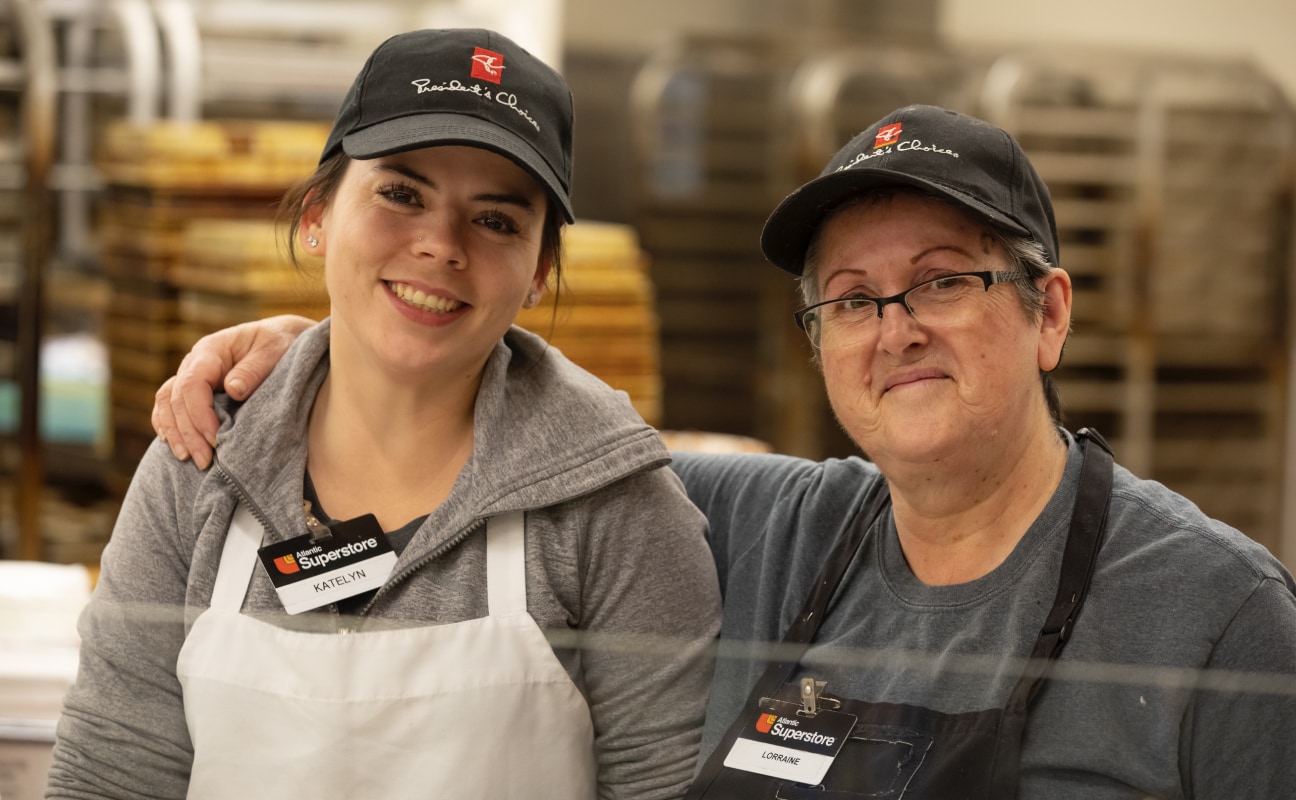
[358, 598]
[989, 607]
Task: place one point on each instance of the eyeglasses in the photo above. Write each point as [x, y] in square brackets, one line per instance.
[947, 300]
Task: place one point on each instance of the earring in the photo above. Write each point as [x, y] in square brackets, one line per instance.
[312, 241]
[532, 299]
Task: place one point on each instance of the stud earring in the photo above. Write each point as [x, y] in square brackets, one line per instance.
[532, 299]
[312, 241]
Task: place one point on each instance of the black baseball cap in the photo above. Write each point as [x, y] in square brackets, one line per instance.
[460, 86]
[967, 161]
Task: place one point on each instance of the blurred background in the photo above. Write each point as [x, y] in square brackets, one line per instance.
[143, 144]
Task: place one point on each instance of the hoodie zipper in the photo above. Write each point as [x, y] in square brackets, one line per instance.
[409, 570]
[447, 546]
[246, 499]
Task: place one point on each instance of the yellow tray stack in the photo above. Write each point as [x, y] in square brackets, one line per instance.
[605, 317]
[180, 199]
[233, 271]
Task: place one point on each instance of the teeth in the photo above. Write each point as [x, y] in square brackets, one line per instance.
[424, 302]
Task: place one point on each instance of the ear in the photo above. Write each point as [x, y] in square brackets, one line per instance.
[1055, 322]
[312, 226]
[541, 277]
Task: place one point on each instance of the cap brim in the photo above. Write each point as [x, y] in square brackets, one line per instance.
[788, 231]
[429, 130]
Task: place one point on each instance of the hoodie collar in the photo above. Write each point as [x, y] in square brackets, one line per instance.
[546, 431]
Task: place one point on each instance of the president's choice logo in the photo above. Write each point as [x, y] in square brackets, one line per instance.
[887, 134]
[486, 65]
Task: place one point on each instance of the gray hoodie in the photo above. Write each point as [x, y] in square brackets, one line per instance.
[613, 547]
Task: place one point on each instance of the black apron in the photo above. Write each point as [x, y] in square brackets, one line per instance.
[904, 751]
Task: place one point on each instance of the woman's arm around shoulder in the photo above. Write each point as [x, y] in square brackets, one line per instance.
[240, 357]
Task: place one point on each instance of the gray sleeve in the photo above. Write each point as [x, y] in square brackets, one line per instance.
[1239, 733]
[122, 732]
[650, 615]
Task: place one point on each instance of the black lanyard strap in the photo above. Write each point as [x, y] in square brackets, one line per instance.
[797, 640]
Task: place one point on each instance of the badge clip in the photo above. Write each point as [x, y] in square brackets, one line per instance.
[318, 530]
[810, 691]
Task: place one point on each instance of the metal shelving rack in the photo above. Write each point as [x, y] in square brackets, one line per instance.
[67, 67]
[29, 72]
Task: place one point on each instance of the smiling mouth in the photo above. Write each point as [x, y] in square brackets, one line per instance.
[424, 302]
[913, 380]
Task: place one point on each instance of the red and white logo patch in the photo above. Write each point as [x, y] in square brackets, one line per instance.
[487, 66]
[887, 134]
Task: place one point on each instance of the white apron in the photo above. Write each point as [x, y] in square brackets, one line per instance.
[474, 709]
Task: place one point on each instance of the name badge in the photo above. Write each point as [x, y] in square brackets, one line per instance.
[783, 743]
[308, 574]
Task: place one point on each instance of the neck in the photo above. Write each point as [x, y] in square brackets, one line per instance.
[388, 448]
[958, 521]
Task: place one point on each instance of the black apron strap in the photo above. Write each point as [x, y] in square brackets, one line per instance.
[799, 635]
[1088, 520]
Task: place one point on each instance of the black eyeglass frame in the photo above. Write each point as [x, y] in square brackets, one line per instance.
[988, 277]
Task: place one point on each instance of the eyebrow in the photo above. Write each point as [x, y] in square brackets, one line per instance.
[506, 198]
[914, 260]
[955, 248]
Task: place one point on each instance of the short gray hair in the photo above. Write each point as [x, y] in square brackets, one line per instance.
[1024, 254]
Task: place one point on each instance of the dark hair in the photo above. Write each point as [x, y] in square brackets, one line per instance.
[1023, 253]
[320, 186]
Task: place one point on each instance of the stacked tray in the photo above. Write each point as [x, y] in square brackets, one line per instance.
[603, 314]
[234, 271]
[161, 180]
[705, 148]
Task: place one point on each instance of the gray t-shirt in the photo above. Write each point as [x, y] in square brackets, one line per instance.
[1128, 712]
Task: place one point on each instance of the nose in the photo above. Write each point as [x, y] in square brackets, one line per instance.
[439, 237]
[898, 330]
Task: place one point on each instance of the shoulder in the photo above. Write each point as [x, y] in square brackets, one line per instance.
[295, 376]
[771, 479]
[770, 507]
[1166, 566]
[539, 368]
[1149, 518]
[655, 493]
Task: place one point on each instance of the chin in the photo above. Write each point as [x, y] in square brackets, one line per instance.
[916, 439]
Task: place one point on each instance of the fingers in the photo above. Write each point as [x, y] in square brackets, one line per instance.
[242, 357]
[164, 420]
[182, 409]
[252, 350]
[196, 422]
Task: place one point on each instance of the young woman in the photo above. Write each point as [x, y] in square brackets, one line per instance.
[431, 557]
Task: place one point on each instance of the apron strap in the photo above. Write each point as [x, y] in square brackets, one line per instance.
[506, 564]
[241, 544]
[1088, 520]
[802, 631]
